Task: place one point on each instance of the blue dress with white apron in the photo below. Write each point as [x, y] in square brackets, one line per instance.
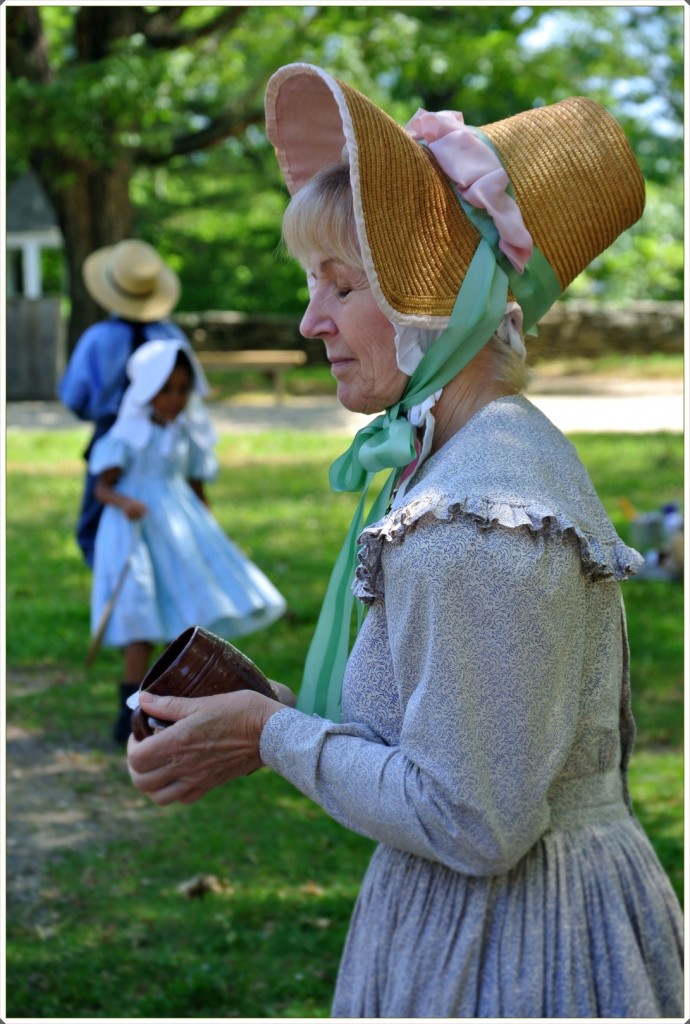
[184, 570]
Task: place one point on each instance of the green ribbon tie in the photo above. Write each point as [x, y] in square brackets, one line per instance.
[388, 441]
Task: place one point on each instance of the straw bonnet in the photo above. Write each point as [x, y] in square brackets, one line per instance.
[451, 220]
[575, 180]
[131, 279]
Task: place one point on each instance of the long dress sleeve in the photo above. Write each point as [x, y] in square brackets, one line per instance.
[485, 631]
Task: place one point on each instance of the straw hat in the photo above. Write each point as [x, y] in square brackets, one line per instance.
[131, 279]
[574, 175]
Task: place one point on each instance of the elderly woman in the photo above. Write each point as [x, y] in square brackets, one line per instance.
[482, 731]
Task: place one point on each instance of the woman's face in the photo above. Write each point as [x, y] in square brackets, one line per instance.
[172, 398]
[359, 343]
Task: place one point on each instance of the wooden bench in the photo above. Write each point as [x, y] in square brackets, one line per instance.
[274, 363]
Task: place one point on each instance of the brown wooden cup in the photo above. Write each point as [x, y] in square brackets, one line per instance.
[199, 664]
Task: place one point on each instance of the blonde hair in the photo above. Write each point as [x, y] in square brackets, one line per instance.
[320, 219]
[509, 366]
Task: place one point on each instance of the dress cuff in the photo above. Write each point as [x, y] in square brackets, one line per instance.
[285, 735]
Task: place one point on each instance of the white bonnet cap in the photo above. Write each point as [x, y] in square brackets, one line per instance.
[148, 368]
[151, 364]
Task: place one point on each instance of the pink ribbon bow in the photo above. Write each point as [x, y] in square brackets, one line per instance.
[478, 174]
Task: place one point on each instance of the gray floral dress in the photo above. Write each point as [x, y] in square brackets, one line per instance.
[485, 739]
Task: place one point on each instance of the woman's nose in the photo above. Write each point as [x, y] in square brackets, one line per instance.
[315, 323]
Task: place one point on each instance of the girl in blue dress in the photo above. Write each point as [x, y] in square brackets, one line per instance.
[151, 469]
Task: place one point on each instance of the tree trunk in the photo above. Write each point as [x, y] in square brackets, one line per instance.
[91, 202]
[93, 209]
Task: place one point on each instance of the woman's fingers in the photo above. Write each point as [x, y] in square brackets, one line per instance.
[180, 791]
[211, 740]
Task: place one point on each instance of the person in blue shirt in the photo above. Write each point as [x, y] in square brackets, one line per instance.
[133, 283]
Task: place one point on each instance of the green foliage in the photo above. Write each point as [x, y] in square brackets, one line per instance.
[628, 58]
[656, 787]
[213, 207]
[646, 262]
[112, 935]
[219, 216]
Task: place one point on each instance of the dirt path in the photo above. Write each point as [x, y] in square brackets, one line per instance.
[58, 798]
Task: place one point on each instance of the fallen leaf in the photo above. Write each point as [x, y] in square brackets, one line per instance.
[199, 885]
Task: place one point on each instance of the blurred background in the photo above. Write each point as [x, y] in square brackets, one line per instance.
[147, 121]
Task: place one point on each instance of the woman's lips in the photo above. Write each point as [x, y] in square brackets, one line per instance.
[337, 365]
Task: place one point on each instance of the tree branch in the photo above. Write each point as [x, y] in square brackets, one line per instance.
[223, 126]
[161, 33]
[96, 28]
[27, 50]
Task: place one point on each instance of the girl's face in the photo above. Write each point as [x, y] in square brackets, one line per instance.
[343, 312]
[172, 398]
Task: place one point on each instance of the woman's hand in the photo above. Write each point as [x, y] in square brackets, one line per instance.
[212, 740]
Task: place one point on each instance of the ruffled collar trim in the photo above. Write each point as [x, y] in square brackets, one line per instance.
[499, 488]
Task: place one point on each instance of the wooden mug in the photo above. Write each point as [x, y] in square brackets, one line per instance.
[198, 664]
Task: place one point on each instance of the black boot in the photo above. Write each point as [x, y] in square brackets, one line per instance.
[122, 729]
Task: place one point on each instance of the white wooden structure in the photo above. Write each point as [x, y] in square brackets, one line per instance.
[34, 331]
[31, 227]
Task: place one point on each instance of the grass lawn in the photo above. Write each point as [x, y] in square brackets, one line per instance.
[110, 934]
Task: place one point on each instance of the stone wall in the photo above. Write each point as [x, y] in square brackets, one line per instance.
[232, 332]
[569, 328]
[587, 329]
[35, 336]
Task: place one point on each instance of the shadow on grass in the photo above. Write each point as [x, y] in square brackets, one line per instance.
[117, 936]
